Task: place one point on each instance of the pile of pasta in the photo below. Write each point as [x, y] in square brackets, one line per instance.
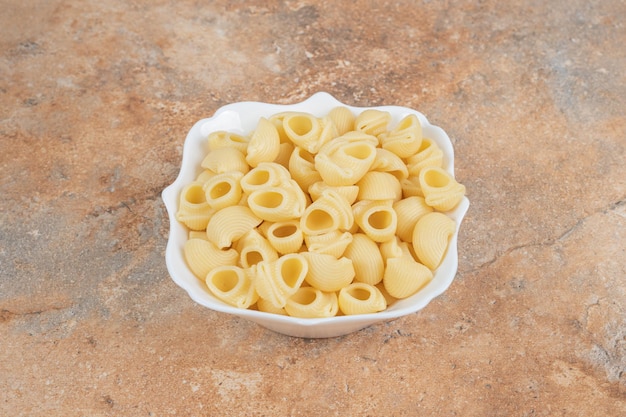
[319, 216]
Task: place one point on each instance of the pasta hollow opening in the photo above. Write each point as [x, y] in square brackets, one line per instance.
[259, 177]
[253, 257]
[290, 271]
[358, 151]
[360, 293]
[300, 125]
[306, 156]
[319, 220]
[225, 280]
[195, 195]
[220, 190]
[269, 199]
[285, 231]
[380, 219]
[435, 178]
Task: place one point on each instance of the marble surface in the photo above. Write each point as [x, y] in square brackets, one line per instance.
[96, 98]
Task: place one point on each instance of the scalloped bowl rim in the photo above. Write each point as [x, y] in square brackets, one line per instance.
[241, 118]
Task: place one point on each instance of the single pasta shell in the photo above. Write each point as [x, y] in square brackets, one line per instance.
[404, 276]
[376, 219]
[372, 121]
[230, 224]
[405, 139]
[232, 285]
[285, 236]
[303, 129]
[328, 273]
[193, 209]
[431, 237]
[225, 160]
[309, 302]
[278, 203]
[223, 190]
[379, 186]
[366, 259]
[202, 256]
[361, 298]
[264, 145]
[343, 119]
[441, 190]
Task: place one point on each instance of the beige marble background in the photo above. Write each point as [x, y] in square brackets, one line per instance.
[96, 98]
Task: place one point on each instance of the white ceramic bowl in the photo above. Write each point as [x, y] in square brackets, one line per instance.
[242, 118]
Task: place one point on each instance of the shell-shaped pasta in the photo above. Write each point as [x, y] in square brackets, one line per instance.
[429, 154]
[405, 139]
[331, 211]
[431, 237]
[441, 190]
[278, 203]
[309, 302]
[303, 129]
[411, 187]
[193, 209]
[302, 168]
[343, 119]
[223, 190]
[404, 276]
[350, 192]
[278, 280]
[267, 307]
[332, 243]
[344, 162]
[232, 285]
[286, 149]
[379, 186]
[266, 174]
[408, 211]
[366, 259]
[202, 256]
[205, 175]
[254, 248]
[285, 236]
[372, 121]
[264, 145]
[361, 298]
[377, 219]
[387, 161]
[328, 273]
[225, 160]
[222, 139]
[230, 224]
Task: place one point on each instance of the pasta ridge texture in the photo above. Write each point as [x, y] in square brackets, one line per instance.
[264, 145]
[230, 224]
[361, 298]
[202, 256]
[232, 285]
[276, 281]
[309, 302]
[193, 209]
[440, 189]
[431, 237]
[328, 273]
